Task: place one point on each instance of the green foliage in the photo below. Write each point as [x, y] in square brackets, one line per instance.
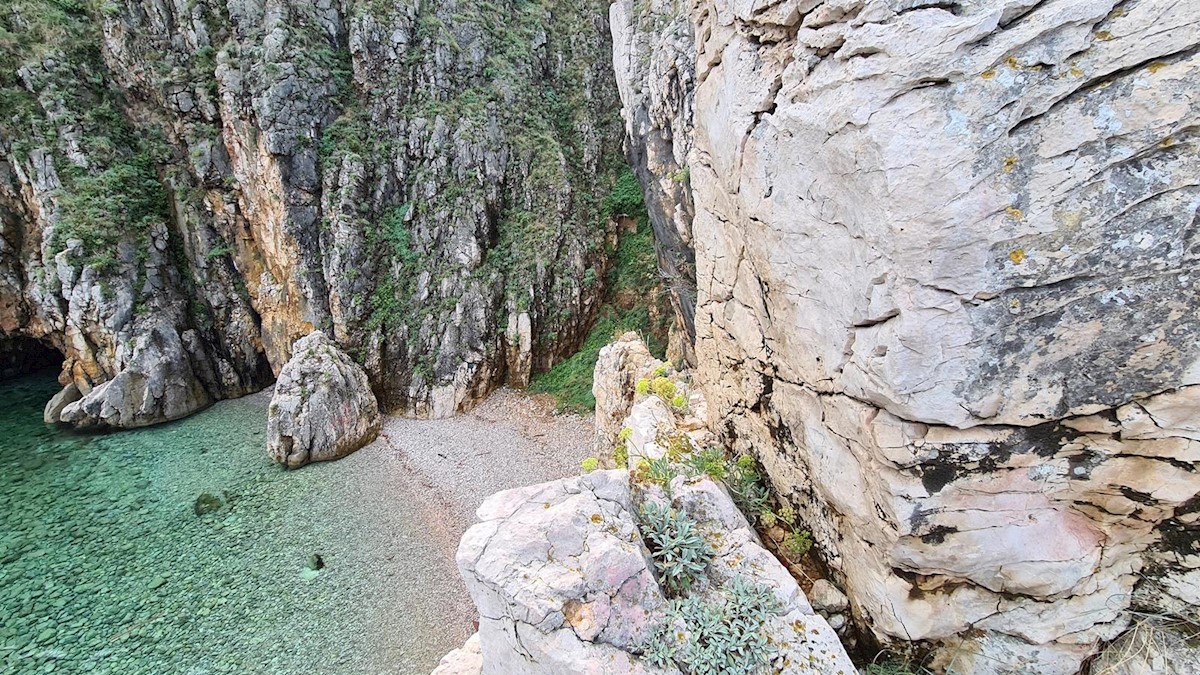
[103, 208]
[660, 471]
[218, 251]
[626, 198]
[636, 268]
[571, 381]
[708, 462]
[663, 388]
[642, 387]
[680, 554]
[746, 486]
[621, 455]
[590, 464]
[679, 404]
[798, 542]
[725, 635]
[788, 515]
[677, 445]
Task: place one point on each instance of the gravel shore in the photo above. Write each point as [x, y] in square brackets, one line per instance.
[440, 471]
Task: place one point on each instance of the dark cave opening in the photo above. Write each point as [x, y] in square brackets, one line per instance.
[20, 355]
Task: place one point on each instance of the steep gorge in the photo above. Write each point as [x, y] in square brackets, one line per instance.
[188, 187]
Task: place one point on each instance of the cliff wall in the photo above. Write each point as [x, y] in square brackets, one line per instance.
[187, 187]
[946, 292]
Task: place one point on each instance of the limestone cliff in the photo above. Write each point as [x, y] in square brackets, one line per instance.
[946, 291]
[187, 187]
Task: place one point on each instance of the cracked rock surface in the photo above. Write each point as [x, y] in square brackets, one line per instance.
[421, 181]
[564, 583]
[946, 291]
[323, 407]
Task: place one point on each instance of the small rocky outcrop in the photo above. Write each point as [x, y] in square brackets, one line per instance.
[155, 383]
[569, 576]
[57, 403]
[620, 365]
[565, 584]
[323, 407]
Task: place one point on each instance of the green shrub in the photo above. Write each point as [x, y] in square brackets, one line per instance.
[680, 554]
[642, 388]
[621, 455]
[798, 543]
[708, 462]
[721, 636]
[590, 464]
[100, 209]
[626, 198]
[660, 471]
[746, 486]
[679, 404]
[571, 381]
[788, 515]
[663, 388]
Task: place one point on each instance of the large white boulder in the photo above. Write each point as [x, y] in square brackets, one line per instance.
[323, 407]
[564, 583]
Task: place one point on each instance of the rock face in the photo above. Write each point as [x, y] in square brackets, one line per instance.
[423, 183]
[945, 260]
[323, 407]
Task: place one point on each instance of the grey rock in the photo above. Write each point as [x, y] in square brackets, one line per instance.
[56, 404]
[827, 598]
[323, 407]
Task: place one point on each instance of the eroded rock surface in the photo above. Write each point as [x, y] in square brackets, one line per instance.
[946, 292]
[620, 365]
[323, 407]
[564, 583]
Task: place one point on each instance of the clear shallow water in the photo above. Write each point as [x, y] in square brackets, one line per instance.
[105, 568]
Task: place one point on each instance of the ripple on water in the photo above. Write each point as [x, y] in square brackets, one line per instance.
[105, 568]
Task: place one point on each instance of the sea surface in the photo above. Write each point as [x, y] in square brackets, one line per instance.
[105, 566]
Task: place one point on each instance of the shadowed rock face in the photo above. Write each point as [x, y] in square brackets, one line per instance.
[323, 407]
[424, 184]
[945, 261]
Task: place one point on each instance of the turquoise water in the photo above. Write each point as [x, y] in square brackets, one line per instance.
[105, 567]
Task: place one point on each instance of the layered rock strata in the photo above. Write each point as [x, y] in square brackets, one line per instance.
[423, 182]
[946, 293]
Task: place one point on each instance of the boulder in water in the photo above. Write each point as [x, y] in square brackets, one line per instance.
[56, 404]
[323, 407]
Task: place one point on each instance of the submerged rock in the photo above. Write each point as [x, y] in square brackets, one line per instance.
[323, 407]
[207, 503]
